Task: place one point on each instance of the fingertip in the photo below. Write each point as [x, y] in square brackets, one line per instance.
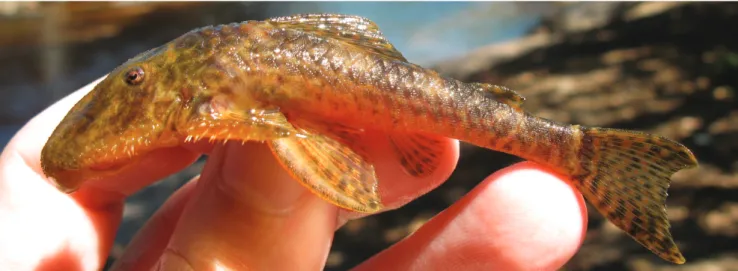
[538, 217]
[523, 217]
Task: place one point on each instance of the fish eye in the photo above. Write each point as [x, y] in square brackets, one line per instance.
[134, 76]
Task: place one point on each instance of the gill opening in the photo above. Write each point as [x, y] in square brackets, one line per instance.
[172, 117]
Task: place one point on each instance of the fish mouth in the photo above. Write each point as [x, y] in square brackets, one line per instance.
[70, 180]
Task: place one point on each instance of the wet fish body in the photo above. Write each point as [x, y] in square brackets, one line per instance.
[312, 85]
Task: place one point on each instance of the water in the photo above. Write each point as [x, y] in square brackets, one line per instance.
[429, 32]
[7, 132]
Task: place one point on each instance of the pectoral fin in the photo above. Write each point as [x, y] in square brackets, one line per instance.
[419, 154]
[349, 136]
[331, 169]
[242, 125]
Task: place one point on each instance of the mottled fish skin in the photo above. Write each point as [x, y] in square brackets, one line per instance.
[293, 77]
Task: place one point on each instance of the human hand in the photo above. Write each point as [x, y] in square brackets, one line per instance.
[246, 213]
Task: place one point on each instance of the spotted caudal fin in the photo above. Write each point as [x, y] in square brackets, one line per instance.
[626, 175]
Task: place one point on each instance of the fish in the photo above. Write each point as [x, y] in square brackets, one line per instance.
[311, 86]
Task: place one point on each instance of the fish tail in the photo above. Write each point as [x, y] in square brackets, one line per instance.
[625, 175]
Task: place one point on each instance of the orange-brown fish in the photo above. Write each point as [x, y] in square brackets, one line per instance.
[311, 85]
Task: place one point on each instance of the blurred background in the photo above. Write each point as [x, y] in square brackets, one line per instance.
[662, 67]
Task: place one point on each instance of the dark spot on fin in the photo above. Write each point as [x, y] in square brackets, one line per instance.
[332, 170]
[503, 95]
[627, 181]
[352, 29]
[419, 154]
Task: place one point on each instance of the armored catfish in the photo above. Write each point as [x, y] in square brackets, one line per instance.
[311, 85]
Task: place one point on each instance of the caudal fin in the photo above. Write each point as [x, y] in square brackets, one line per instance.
[626, 175]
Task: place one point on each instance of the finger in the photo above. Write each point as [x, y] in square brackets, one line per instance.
[156, 231]
[151, 240]
[55, 226]
[397, 187]
[44, 229]
[29, 141]
[247, 213]
[521, 218]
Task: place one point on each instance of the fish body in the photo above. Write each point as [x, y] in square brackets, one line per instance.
[312, 85]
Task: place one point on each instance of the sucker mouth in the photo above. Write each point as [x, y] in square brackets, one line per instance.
[70, 180]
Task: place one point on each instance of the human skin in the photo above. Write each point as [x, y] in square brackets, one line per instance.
[246, 213]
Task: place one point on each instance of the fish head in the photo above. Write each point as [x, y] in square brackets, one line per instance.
[126, 115]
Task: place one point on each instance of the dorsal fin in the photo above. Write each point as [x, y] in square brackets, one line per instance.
[503, 95]
[352, 29]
